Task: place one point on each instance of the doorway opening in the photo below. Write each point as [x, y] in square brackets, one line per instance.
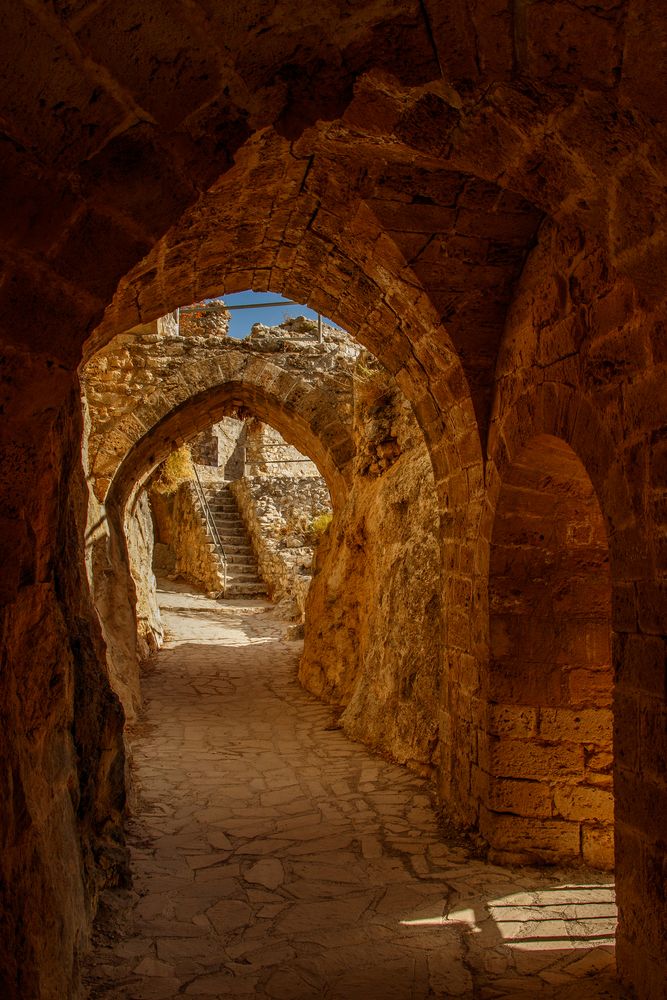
[549, 750]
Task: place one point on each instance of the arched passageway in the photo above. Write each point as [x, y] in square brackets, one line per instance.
[478, 193]
[548, 758]
[311, 411]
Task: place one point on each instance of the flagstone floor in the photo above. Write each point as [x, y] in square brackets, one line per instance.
[274, 858]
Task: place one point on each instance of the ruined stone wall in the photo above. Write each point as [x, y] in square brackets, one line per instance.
[191, 543]
[279, 513]
[119, 560]
[230, 435]
[200, 320]
[139, 535]
[204, 448]
[373, 625]
[145, 371]
[114, 596]
[268, 454]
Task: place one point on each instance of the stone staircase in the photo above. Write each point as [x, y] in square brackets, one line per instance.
[243, 579]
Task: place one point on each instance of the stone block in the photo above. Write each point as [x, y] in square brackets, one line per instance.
[590, 687]
[517, 721]
[641, 663]
[597, 846]
[642, 804]
[581, 802]
[626, 731]
[652, 606]
[523, 798]
[588, 725]
[653, 736]
[538, 838]
[623, 607]
[530, 759]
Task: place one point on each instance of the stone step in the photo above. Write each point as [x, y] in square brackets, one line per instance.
[245, 590]
[243, 578]
[242, 558]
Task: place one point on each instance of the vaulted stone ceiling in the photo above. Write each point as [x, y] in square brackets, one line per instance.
[456, 127]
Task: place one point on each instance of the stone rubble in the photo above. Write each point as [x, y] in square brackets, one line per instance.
[279, 513]
[273, 858]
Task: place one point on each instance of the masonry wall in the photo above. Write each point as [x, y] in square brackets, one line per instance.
[61, 750]
[140, 537]
[279, 514]
[584, 360]
[268, 454]
[182, 522]
[140, 377]
[373, 613]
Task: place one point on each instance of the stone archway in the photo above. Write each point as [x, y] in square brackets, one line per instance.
[547, 762]
[311, 413]
[119, 130]
[332, 452]
[157, 405]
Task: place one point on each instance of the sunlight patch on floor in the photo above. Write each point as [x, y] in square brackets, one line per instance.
[558, 918]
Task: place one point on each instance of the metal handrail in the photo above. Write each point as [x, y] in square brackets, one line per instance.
[212, 527]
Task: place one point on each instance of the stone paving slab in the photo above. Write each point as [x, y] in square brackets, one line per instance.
[273, 858]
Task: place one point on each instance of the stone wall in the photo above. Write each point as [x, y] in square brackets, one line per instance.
[230, 435]
[202, 320]
[278, 512]
[139, 535]
[61, 747]
[477, 192]
[190, 542]
[268, 454]
[373, 615]
[114, 597]
[143, 376]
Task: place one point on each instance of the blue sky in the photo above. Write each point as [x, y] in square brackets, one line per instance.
[243, 319]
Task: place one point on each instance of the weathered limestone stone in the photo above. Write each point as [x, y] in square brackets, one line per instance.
[183, 522]
[62, 842]
[280, 513]
[373, 613]
[140, 540]
[477, 193]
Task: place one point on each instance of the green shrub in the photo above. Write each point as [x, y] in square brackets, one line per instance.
[319, 525]
[174, 470]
